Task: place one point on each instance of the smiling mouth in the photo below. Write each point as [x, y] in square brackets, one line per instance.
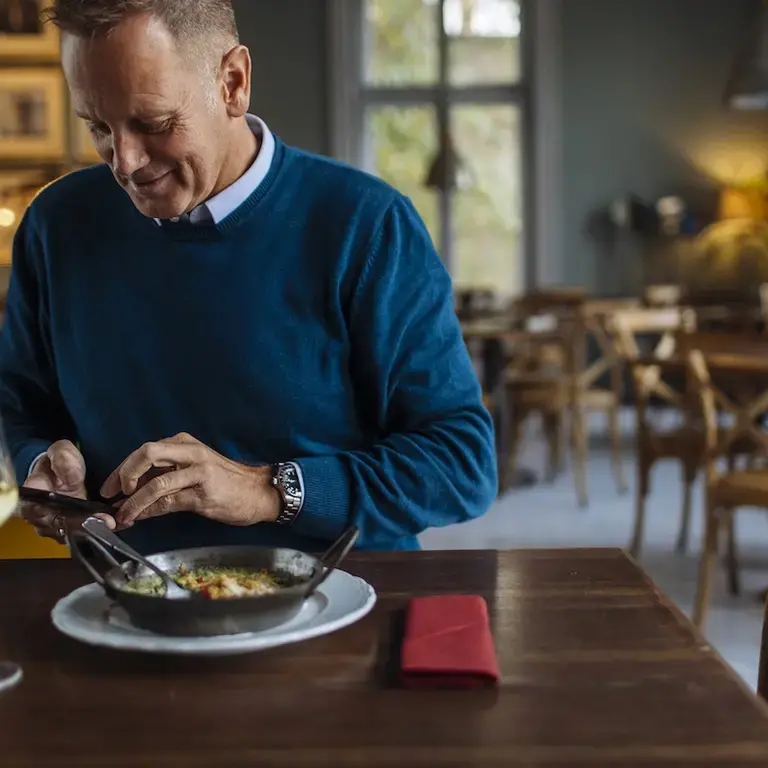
[151, 182]
[148, 186]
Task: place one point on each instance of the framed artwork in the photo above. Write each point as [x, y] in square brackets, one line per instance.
[32, 114]
[83, 151]
[23, 36]
[17, 190]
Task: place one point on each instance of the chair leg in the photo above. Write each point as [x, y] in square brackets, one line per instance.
[732, 558]
[641, 495]
[552, 427]
[579, 439]
[708, 558]
[516, 426]
[689, 477]
[618, 468]
[561, 442]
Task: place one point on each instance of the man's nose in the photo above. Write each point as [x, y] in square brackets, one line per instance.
[129, 154]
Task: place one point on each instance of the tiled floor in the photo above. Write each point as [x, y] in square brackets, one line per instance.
[548, 516]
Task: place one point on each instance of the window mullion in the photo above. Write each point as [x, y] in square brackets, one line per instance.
[346, 30]
[375, 114]
[445, 196]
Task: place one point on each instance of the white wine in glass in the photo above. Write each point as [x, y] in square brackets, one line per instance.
[10, 674]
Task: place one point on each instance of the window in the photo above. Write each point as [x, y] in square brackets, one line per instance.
[419, 82]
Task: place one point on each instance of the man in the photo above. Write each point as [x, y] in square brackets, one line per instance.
[247, 343]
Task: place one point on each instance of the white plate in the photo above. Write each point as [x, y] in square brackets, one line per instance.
[88, 615]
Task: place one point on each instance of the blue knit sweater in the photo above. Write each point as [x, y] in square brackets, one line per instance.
[315, 324]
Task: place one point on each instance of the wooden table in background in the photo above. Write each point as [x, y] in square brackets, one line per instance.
[599, 669]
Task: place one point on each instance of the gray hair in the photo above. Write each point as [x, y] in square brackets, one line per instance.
[198, 26]
[189, 21]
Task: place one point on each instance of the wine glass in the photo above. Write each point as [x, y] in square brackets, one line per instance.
[10, 674]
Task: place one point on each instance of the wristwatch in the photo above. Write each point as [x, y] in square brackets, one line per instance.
[286, 479]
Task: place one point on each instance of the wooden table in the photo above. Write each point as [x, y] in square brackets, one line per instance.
[599, 669]
[738, 363]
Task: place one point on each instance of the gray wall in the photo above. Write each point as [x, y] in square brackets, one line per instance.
[642, 106]
[287, 40]
[642, 112]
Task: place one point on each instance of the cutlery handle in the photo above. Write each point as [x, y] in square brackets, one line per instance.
[74, 539]
[332, 558]
[99, 532]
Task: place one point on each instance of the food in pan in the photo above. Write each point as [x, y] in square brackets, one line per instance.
[213, 582]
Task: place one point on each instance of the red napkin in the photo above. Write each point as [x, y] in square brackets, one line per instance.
[447, 643]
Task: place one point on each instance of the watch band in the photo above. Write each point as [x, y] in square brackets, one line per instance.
[286, 479]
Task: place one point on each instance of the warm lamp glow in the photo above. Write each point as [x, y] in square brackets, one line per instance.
[734, 158]
[7, 218]
[742, 203]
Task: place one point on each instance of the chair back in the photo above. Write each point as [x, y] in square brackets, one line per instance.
[730, 382]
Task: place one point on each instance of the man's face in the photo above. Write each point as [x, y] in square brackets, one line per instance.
[152, 116]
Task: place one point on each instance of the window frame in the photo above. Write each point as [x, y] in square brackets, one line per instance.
[536, 95]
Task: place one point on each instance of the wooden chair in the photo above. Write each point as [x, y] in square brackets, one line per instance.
[475, 303]
[726, 491]
[652, 442]
[762, 674]
[554, 379]
[730, 311]
[485, 344]
[595, 322]
[664, 295]
[537, 382]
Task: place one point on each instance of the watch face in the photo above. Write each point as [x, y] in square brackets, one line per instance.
[289, 480]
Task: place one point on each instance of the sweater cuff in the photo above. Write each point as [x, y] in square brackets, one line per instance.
[24, 458]
[325, 512]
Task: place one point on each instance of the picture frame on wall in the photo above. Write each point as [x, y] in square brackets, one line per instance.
[83, 150]
[23, 35]
[17, 190]
[32, 114]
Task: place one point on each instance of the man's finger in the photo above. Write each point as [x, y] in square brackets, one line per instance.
[108, 519]
[41, 481]
[41, 517]
[37, 515]
[160, 496]
[150, 456]
[181, 501]
[67, 464]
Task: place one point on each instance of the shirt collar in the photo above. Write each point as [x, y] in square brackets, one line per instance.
[230, 199]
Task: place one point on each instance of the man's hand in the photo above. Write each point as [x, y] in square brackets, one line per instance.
[62, 470]
[192, 478]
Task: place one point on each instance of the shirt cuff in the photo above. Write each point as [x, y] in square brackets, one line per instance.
[34, 463]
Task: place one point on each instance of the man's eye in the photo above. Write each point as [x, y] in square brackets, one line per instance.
[156, 127]
[97, 129]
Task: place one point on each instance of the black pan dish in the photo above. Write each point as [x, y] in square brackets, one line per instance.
[193, 615]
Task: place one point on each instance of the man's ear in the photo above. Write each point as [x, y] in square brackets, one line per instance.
[235, 78]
